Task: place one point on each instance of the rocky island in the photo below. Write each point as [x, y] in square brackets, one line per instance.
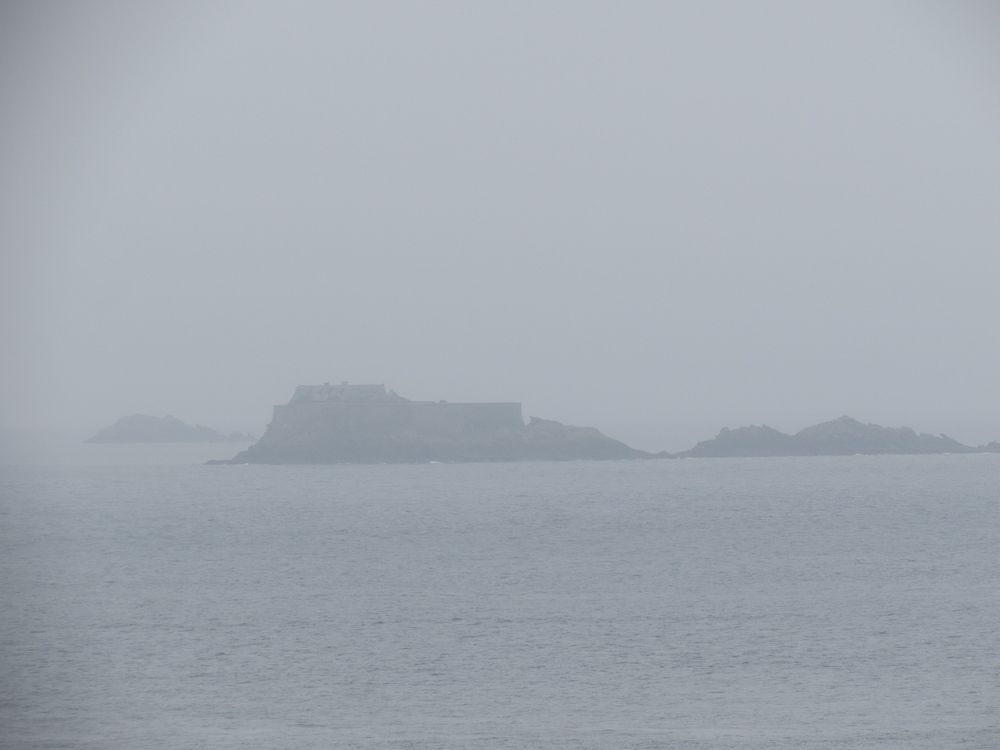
[142, 428]
[368, 424]
[839, 437]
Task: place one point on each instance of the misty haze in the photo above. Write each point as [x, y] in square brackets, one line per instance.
[466, 375]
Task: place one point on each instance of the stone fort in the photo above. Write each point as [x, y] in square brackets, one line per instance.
[363, 410]
[349, 423]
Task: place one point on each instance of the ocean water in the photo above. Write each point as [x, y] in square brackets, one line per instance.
[762, 603]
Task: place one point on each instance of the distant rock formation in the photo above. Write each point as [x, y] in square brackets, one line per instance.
[142, 428]
[746, 441]
[839, 437]
[368, 424]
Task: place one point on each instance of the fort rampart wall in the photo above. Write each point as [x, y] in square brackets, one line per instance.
[381, 418]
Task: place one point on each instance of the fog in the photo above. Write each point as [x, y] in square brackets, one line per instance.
[656, 218]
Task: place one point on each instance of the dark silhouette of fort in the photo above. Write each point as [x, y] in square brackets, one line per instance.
[370, 424]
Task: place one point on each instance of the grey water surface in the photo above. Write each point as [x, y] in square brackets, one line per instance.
[745, 603]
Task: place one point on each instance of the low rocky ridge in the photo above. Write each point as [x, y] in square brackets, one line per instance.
[366, 424]
[839, 437]
[142, 428]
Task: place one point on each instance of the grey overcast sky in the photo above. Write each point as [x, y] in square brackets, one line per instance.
[658, 218]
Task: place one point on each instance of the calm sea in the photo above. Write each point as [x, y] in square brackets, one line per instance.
[151, 602]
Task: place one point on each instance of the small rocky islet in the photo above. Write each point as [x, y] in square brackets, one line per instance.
[143, 428]
[844, 436]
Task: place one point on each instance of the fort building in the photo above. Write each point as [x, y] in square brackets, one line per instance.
[365, 423]
[372, 410]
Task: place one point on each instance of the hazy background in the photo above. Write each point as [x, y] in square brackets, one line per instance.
[656, 218]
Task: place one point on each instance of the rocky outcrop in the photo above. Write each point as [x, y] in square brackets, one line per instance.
[545, 439]
[839, 437]
[367, 424]
[746, 441]
[142, 428]
[846, 436]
